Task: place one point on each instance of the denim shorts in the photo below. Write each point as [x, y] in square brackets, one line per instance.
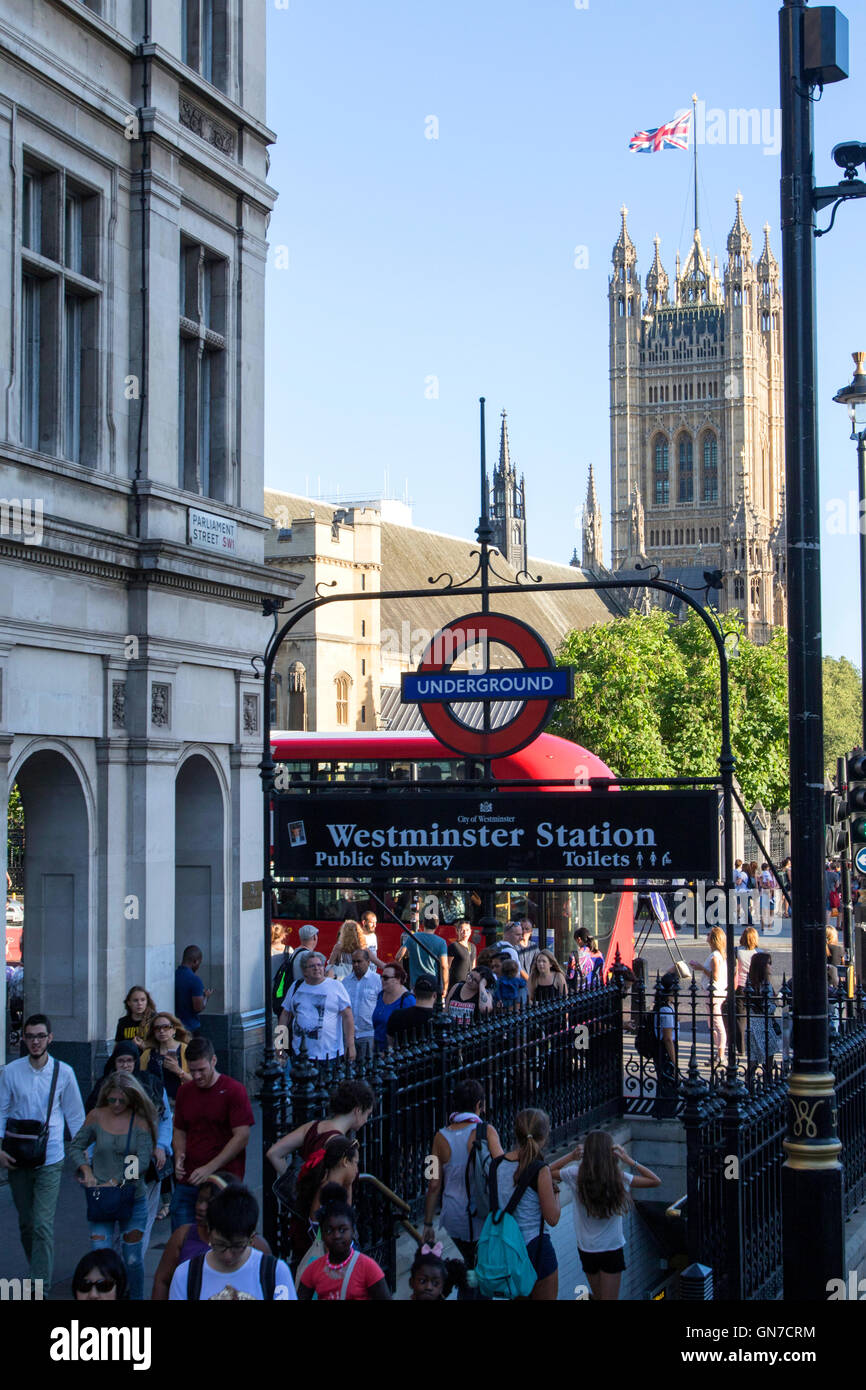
[542, 1256]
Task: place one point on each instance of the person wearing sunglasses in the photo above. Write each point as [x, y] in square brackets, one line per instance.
[101, 1276]
[164, 1054]
[34, 1177]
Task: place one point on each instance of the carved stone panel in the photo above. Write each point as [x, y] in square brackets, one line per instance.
[160, 705]
[251, 714]
[118, 704]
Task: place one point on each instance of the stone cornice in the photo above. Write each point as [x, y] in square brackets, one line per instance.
[167, 564]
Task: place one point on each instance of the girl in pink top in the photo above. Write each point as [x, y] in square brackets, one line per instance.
[342, 1273]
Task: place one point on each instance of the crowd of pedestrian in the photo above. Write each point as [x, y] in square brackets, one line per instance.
[161, 1127]
[164, 1132]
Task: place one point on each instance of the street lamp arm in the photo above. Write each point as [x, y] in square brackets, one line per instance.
[841, 192]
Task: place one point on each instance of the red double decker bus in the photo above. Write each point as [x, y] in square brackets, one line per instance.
[409, 757]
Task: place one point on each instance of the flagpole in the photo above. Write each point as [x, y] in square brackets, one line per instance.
[695, 149]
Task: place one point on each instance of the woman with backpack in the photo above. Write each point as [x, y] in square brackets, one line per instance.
[453, 1163]
[538, 1205]
[601, 1200]
[336, 1164]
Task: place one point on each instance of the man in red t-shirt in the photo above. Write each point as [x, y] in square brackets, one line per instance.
[212, 1122]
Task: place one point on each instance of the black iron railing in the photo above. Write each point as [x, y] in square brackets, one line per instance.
[735, 1125]
[563, 1056]
[762, 1024]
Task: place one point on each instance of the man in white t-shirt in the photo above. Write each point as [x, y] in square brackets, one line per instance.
[232, 1270]
[320, 1011]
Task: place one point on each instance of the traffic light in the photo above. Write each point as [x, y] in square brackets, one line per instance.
[856, 800]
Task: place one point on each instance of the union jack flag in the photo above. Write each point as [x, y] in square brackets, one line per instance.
[673, 135]
[669, 931]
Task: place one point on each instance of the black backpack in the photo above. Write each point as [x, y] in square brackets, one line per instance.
[646, 1039]
[282, 982]
[267, 1278]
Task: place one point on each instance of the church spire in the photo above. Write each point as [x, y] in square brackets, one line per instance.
[739, 239]
[508, 505]
[656, 281]
[624, 252]
[504, 455]
[593, 554]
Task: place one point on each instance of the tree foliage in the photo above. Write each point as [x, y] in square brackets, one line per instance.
[842, 710]
[646, 700]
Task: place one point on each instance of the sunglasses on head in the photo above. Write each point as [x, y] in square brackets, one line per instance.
[101, 1285]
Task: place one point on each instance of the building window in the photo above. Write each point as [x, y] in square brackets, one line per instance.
[711, 469]
[60, 303]
[342, 683]
[276, 682]
[363, 667]
[363, 628]
[203, 427]
[686, 477]
[204, 39]
[660, 473]
[297, 696]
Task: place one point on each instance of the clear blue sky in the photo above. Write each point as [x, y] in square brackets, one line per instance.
[411, 258]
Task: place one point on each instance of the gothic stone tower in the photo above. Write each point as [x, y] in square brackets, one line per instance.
[508, 506]
[696, 411]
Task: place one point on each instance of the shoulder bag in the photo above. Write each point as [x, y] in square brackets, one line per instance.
[27, 1140]
[112, 1203]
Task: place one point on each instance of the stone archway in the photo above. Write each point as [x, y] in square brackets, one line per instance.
[56, 938]
[199, 874]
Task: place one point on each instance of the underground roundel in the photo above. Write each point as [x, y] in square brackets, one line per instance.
[533, 687]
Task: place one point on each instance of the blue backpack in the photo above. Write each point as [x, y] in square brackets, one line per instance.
[503, 1268]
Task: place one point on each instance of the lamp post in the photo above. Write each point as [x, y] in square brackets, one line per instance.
[813, 1229]
[854, 397]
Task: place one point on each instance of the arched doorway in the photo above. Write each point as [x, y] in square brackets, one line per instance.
[199, 875]
[56, 884]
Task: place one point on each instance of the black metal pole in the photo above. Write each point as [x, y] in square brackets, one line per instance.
[847, 910]
[861, 527]
[813, 1232]
[484, 532]
[273, 1081]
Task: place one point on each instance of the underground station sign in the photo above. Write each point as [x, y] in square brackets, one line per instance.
[533, 687]
[616, 834]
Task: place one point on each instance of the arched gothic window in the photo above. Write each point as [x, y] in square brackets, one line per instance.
[661, 472]
[711, 469]
[686, 491]
[342, 682]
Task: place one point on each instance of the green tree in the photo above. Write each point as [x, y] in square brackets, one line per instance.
[842, 710]
[646, 700]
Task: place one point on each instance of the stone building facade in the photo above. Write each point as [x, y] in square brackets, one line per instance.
[340, 668]
[133, 219]
[697, 421]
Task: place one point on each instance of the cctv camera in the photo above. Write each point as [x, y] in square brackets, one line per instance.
[848, 155]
